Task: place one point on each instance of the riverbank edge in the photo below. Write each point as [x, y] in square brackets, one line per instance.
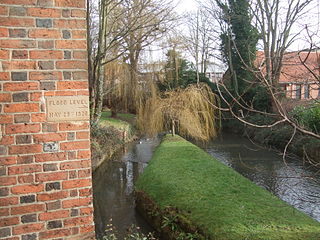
[102, 151]
[161, 200]
[277, 137]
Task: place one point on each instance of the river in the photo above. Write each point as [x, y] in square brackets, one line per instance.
[291, 180]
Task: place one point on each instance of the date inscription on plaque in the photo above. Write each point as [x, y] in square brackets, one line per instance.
[67, 108]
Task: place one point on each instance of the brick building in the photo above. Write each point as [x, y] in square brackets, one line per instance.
[45, 167]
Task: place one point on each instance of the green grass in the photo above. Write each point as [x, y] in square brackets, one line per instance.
[221, 202]
[121, 122]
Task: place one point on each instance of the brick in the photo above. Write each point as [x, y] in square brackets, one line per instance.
[29, 218]
[5, 232]
[4, 32]
[49, 177]
[4, 54]
[19, 2]
[28, 228]
[3, 10]
[67, 54]
[83, 135]
[44, 33]
[71, 136]
[80, 55]
[20, 54]
[70, 3]
[3, 150]
[38, 117]
[45, 3]
[74, 212]
[6, 119]
[4, 192]
[78, 221]
[48, 44]
[75, 145]
[67, 75]
[22, 118]
[4, 76]
[50, 167]
[27, 199]
[80, 75]
[54, 224]
[71, 44]
[38, 76]
[4, 222]
[7, 140]
[66, 34]
[26, 179]
[3, 171]
[55, 233]
[21, 107]
[44, 12]
[71, 64]
[25, 189]
[35, 96]
[45, 197]
[84, 173]
[73, 126]
[74, 193]
[49, 127]
[78, 202]
[46, 65]
[19, 76]
[25, 149]
[10, 201]
[17, 33]
[72, 85]
[20, 86]
[25, 159]
[32, 236]
[20, 97]
[13, 43]
[46, 54]
[53, 205]
[77, 183]
[47, 86]
[73, 175]
[18, 64]
[87, 229]
[23, 169]
[17, 11]
[49, 137]
[5, 97]
[53, 186]
[44, 23]
[77, 13]
[23, 139]
[7, 181]
[22, 128]
[86, 211]
[50, 157]
[5, 161]
[16, 22]
[4, 212]
[75, 165]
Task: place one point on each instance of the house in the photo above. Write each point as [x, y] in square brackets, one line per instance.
[300, 74]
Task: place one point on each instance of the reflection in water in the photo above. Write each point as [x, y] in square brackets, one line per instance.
[291, 181]
[113, 185]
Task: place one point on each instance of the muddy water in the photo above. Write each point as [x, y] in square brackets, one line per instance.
[113, 185]
[291, 180]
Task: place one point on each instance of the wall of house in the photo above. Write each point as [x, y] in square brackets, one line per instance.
[45, 167]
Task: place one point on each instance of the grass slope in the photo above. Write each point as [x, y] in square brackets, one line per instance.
[122, 122]
[221, 202]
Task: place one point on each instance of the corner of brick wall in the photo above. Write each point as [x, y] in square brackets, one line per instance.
[44, 194]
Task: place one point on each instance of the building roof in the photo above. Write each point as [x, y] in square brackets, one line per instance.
[293, 69]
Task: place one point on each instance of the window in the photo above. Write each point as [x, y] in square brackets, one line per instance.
[306, 91]
[298, 91]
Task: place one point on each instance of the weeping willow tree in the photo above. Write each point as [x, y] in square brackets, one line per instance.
[187, 111]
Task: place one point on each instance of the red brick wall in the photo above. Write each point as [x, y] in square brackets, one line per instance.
[43, 194]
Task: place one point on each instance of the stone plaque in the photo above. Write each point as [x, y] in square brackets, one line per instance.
[67, 108]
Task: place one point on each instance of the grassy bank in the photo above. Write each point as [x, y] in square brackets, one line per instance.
[215, 199]
[110, 135]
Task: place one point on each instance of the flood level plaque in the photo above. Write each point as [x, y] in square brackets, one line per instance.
[67, 108]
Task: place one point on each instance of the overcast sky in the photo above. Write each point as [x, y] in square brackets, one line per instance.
[185, 5]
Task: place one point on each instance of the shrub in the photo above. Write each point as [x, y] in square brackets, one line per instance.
[308, 117]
